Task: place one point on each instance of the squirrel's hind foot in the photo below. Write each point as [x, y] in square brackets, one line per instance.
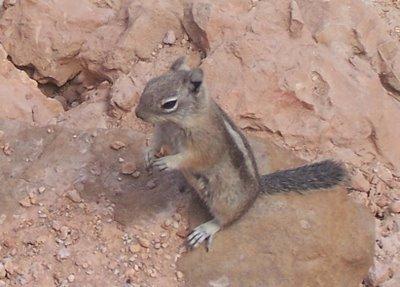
[205, 231]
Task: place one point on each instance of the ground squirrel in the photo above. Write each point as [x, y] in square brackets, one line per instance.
[214, 156]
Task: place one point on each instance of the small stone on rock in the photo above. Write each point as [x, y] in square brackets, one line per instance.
[128, 168]
[71, 278]
[56, 225]
[130, 274]
[26, 202]
[383, 201]
[177, 217]
[136, 174]
[360, 182]
[144, 242]
[74, 196]
[134, 248]
[63, 253]
[169, 38]
[117, 145]
[179, 275]
[10, 267]
[151, 184]
[7, 149]
[395, 207]
[182, 232]
[3, 272]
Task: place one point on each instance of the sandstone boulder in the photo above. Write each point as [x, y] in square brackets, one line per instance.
[318, 239]
[327, 89]
[21, 99]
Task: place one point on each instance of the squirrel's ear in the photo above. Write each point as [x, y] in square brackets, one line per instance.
[179, 64]
[196, 79]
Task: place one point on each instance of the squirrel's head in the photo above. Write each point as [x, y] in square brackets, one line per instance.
[174, 96]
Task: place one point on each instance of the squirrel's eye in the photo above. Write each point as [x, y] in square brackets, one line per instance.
[170, 105]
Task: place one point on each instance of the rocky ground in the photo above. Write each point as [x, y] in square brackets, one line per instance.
[305, 80]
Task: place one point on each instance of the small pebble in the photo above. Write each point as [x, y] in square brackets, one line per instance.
[117, 145]
[33, 198]
[74, 196]
[134, 248]
[63, 253]
[167, 223]
[41, 189]
[144, 242]
[10, 267]
[136, 174]
[151, 184]
[121, 159]
[179, 275]
[382, 201]
[71, 278]
[2, 219]
[130, 274]
[169, 38]
[395, 207]
[26, 202]
[128, 168]
[177, 217]
[7, 150]
[64, 230]
[3, 272]
[182, 232]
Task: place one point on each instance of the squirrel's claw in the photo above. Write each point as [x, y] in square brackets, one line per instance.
[203, 232]
[166, 163]
[149, 158]
[162, 164]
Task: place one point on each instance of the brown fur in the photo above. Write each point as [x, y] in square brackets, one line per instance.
[210, 151]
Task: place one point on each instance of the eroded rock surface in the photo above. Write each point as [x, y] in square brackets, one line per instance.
[318, 239]
[320, 78]
[20, 97]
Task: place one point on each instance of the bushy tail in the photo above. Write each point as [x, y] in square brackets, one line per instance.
[324, 174]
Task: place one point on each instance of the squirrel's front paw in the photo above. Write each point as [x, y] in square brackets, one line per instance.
[166, 163]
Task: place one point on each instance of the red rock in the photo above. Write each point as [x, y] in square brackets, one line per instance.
[66, 37]
[130, 274]
[360, 182]
[3, 272]
[117, 145]
[63, 253]
[169, 38]
[179, 275]
[395, 207]
[379, 274]
[26, 202]
[74, 195]
[135, 248]
[128, 168]
[383, 201]
[10, 267]
[20, 97]
[124, 93]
